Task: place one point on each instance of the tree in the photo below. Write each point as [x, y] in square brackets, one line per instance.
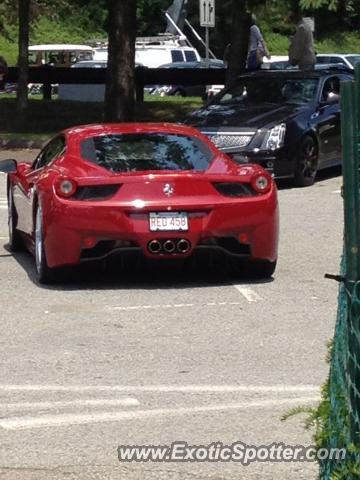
[120, 84]
[23, 73]
[150, 18]
[240, 30]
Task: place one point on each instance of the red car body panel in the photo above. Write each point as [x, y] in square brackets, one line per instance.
[71, 226]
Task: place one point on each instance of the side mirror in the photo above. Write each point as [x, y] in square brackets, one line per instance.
[8, 166]
[333, 97]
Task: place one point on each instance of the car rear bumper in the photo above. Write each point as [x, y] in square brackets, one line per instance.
[82, 231]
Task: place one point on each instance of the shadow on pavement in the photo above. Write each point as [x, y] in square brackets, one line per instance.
[321, 176]
[123, 274]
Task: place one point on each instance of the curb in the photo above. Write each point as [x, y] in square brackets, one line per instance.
[18, 144]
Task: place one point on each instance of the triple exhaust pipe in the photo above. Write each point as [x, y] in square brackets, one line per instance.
[169, 246]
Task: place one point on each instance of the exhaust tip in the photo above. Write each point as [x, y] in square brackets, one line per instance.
[169, 246]
[154, 246]
[183, 245]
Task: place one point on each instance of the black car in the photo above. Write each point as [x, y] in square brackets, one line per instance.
[185, 90]
[286, 120]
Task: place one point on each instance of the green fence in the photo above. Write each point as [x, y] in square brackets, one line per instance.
[340, 409]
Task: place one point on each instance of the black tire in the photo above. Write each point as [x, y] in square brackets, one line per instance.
[307, 163]
[261, 269]
[179, 93]
[16, 243]
[44, 273]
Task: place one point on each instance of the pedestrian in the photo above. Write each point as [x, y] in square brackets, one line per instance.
[257, 47]
[301, 50]
[3, 72]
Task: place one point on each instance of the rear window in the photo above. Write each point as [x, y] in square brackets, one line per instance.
[145, 152]
[322, 59]
[270, 89]
[353, 59]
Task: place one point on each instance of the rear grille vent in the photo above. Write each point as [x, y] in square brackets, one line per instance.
[235, 189]
[230, 244]
[95, 192]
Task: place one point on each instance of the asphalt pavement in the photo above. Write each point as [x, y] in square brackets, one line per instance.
[153, 357]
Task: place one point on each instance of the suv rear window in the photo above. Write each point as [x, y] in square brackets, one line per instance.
[145, 152]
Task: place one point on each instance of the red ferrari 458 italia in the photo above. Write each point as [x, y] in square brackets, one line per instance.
[161, 190]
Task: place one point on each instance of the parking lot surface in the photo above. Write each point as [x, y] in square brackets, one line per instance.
[153, 357]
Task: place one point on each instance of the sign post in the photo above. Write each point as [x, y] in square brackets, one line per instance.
[207, 20]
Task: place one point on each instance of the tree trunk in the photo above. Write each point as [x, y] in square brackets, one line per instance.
[120, 84]
[23, 65]
[240, 30]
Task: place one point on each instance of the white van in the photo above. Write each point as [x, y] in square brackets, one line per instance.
[58, 55]
[158, 50]
[153, 56]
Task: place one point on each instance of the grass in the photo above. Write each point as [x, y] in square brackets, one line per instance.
[46, 117]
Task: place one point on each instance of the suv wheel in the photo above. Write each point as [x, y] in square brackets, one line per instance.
[307, 163]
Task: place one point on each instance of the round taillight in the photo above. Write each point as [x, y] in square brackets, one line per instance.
[65, 187]
[261, 183]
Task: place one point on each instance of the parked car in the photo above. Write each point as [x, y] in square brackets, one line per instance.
[288, 121]
[58, 55]
[157, 50]
[162, 191]
[348, 59]
[276, 62]
[185, 90]
[84, 92]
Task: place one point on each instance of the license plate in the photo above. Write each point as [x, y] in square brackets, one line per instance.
[168, 221]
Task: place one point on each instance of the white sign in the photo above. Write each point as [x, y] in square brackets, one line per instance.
[207, 13]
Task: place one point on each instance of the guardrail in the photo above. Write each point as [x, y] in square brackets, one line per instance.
[48, 75]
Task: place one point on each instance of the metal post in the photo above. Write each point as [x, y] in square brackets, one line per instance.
[199, 38]
[207, 60]
[47, 91]
[139, 84]
[350, 137]
[351, 179]
[180, 32]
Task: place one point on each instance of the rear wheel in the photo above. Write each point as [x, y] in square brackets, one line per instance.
[260, 269]
[44, 273]
[306, 163]
[15, 240]
[179, 93]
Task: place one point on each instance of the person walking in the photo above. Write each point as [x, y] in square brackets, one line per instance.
[301, 50]
[257, 47]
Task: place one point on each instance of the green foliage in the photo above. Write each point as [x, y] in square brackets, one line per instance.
[326, 427]
[339, 42]
[55, 32]
[48, 117]
[277, 44]
[313, 4]
[150, 17]
[79, 21]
